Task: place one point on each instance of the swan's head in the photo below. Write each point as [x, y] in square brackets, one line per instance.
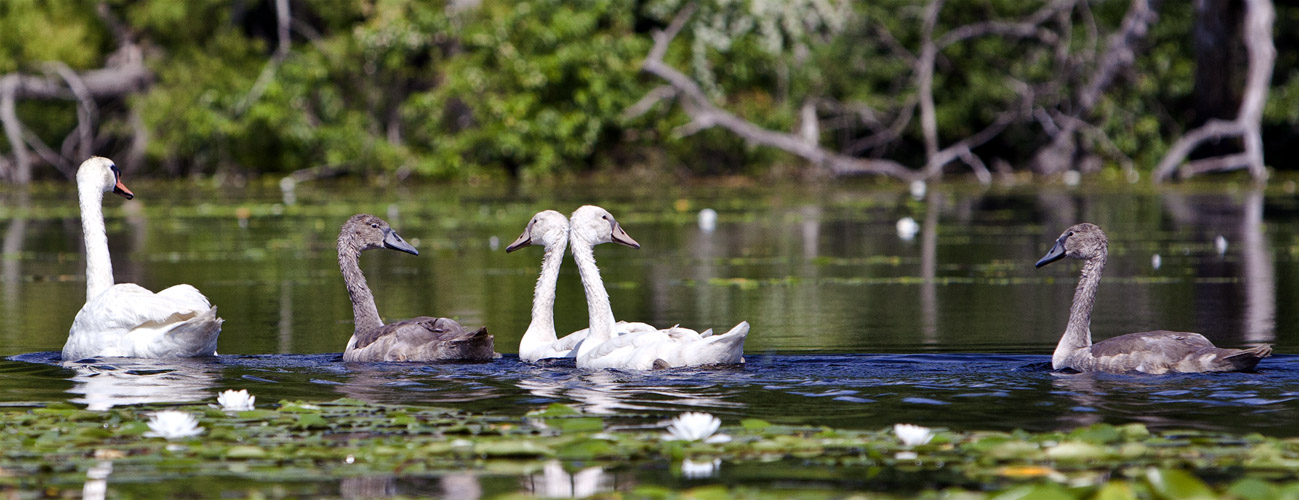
[1082, 241]
[596, 225]
[102, 175]
[546, 228]
[366, 231]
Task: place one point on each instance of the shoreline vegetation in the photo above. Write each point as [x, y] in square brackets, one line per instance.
[695, 89]
[310, 448]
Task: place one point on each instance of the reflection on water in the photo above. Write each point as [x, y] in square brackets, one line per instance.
[96, 487]
[611, 391]
[555, 482]
[126, 381]
[449, 486]
[701, 468]
[957, 391]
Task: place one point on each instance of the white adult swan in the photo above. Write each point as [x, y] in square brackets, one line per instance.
[125, 319]
[1146, 352]
[417, 339]
[549, 229]
[635, 350]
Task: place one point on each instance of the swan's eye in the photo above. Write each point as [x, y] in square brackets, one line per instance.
[374, 225]
[1070, 233]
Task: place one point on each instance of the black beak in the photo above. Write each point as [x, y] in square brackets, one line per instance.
[1055, 253]
[393, 240]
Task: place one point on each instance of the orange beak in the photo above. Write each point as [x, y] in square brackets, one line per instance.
[122, 190]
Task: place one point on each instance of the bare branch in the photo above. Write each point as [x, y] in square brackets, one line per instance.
[283, 22]
[886, 135]
[1028, 28]
[660, 93]
[1119, 54]
[87, 112]
[22, 173]
[705, 115]
[980, 170]
[1259, 16]
[48, 155]
[924, 69]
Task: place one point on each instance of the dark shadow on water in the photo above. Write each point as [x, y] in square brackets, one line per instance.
[951, 390]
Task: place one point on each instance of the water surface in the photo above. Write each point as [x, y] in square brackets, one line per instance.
[854, 323]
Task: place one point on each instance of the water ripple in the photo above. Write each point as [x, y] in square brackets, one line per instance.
[953, 390]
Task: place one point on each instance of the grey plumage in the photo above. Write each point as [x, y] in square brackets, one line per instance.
[418, 339]
[1154, 352]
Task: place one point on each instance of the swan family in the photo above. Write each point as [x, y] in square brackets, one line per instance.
[126, 320]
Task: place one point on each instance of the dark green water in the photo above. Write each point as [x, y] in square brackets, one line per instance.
[853, 325]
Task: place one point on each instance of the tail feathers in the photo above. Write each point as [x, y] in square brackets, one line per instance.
[727, 348]
[196, 336]
[1247, 359]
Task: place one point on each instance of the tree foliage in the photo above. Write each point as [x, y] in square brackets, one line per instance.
[543, 87]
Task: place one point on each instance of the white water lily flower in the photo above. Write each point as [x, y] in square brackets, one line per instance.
[912, 435]
[695, 426]
[173, 424]
[236, 400]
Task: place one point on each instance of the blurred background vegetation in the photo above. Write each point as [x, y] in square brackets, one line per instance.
[467, 90]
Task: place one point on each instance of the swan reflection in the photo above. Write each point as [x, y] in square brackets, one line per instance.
[608, 391]
[555, 482]
[394, 383]
[130, 381]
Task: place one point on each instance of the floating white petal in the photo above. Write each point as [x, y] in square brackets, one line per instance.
[695, 426]
[236, 400]
[1071, 178]
[918, 189]
[171, 424]
[912, 435]
[1220, 243]
[907, 228]
[707, 220]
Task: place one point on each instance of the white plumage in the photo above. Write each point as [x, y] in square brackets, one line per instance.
[636, 346]
[126, 319]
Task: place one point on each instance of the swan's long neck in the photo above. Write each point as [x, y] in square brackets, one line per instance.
[363, 309]
[597, 299]
[542, 328]
[1078, 335]
[99, 266]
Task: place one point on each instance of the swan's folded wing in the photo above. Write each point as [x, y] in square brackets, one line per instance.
[570, 342]
[418, 331]
[128, 306]
[1164, 343]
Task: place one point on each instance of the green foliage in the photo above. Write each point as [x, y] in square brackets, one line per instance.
[67, 31]
[539, 88]
[535, 88]
[271, 450]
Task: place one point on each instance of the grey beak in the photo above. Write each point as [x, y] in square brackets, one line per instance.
[523, 240]
[620, 237]
[393, 240]
[1055, 253]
